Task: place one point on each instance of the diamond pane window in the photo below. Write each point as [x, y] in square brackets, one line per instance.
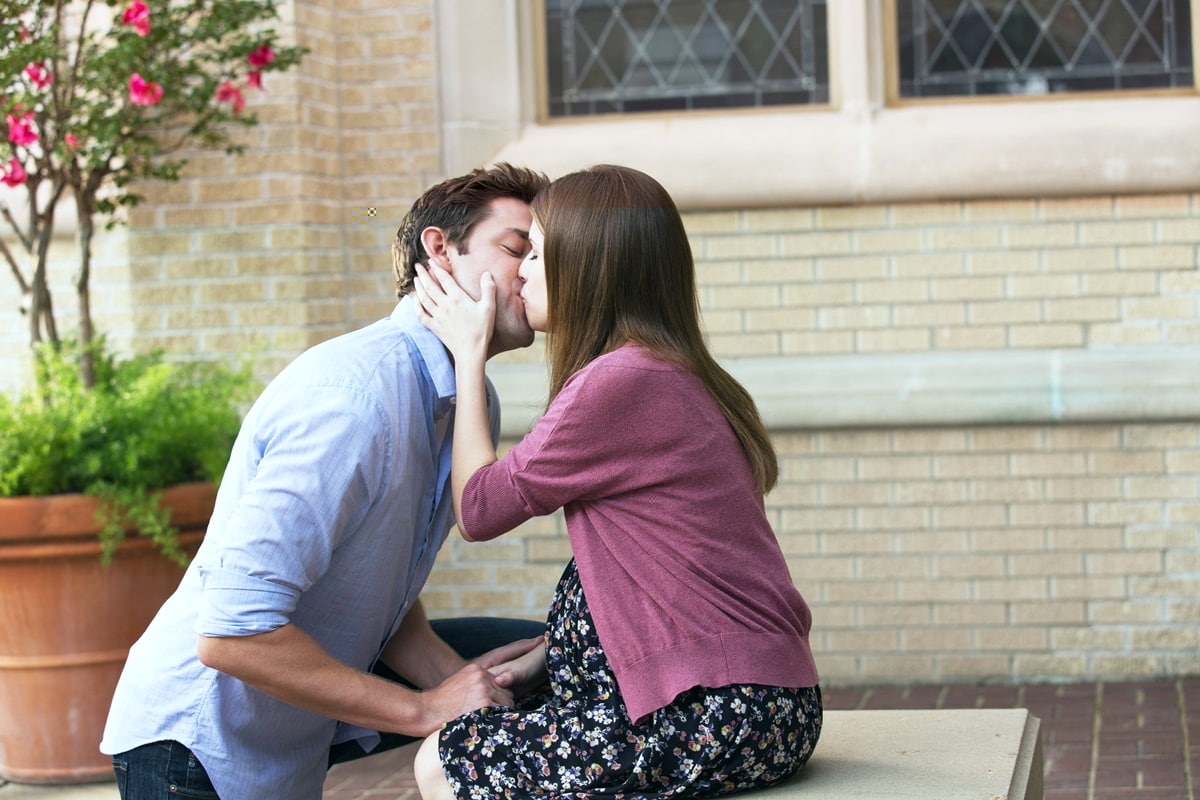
[1026, 47]
[627, 56]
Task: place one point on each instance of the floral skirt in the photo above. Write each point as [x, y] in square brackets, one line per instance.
[577, 741]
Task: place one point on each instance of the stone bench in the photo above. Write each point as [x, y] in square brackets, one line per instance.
[953, 754]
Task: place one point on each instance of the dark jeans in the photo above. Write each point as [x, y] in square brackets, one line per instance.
[168, 770]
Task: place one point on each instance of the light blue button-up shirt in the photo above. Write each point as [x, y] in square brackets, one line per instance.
[331, 511]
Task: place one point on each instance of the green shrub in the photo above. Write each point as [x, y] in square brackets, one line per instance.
[146, 425]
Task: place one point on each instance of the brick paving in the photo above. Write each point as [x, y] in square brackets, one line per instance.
[1135, 740]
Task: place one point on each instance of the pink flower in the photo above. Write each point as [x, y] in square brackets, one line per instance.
[137, 15]
[14, 174]
[254, 78]
[261, 56]
[143, 92]
[38, 75]
[71, 141]
[228, 93]
[20, 129]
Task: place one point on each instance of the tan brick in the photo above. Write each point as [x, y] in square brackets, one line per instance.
[931, 542]
[966, 288]
[931, 314]
[970, 566]
[940, 591]
[1046, 564]
[818, 294]
[727, 247]
[895, 615]
[1011, 639]
[875, 468]
[925, 214]
[1184, 231]
[1005, 263]
[1134, 612]
[861, 316]
[1043, 336]
[1088, 588]
[971, 237]
[779, 220]
[783, 319]
[972, 515]
[1044, 286]
[1122, 284]
[852, 268]
[1004, 312]
[1001, 211]
[1080, 259]
[801, 245]
[1161, 205]
[970, 614]
[1125, 232]
[887, 241]
[893, 341]
[843, 217]
[930, 265]
[1048, 514]
[1159, 257]
[790, 270]
[1076, 208]
[893, 291]
[1064, 234]
[1159, 308]
[936, 640]
[1067, 613]
[989, 338]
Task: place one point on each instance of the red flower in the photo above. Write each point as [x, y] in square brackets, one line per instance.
[20, 129]
[38, 75]
[143, 92]
[71, 141]
[228, 93]
[261, 56]
[137, 15]
[14, 174]
[254, 78]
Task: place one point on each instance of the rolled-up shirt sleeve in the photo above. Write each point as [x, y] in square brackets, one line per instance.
[236, 604]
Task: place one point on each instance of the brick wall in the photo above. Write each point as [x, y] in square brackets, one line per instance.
[1028, 550]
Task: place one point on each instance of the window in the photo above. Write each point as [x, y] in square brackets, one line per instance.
[1030, 47]
[606, 57]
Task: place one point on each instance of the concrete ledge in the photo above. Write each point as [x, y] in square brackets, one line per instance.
[941, 388]
[961, 754]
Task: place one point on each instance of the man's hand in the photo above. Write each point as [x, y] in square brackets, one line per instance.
[469, 689]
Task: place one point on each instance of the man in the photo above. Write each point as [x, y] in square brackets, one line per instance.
[268, 662]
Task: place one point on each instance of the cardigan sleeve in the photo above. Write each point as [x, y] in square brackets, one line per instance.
[583, 448]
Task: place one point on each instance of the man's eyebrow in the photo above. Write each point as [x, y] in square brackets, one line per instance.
[518, 232]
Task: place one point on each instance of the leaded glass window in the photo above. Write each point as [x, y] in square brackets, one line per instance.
[1025, 47]
[625, 56]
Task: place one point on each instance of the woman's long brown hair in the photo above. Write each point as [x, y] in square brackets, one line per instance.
[619, 269]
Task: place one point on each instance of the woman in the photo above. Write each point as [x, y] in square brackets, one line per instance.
[677, 647]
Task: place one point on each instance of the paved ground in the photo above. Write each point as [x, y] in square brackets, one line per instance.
[1102, 741]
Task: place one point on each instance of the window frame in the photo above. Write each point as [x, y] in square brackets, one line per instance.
[541, 37]
[896, 100]
[862, 147]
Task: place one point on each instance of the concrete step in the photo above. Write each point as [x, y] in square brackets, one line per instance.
[952, 754]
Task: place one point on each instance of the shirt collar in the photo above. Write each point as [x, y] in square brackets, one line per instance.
[433, 353]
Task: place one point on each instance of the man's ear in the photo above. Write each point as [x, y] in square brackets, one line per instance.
[437, 246]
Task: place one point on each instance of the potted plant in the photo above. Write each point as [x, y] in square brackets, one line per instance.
[96, 96]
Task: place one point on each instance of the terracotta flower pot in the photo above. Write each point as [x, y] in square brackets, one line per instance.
[66, 625]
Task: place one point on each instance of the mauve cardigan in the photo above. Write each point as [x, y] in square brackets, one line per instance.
[683, 574]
